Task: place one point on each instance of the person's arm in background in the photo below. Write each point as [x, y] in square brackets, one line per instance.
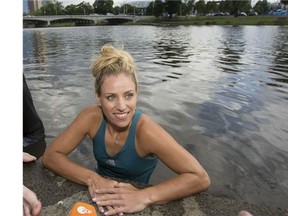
[33, 128]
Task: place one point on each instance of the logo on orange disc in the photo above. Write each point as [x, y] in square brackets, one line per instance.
[82, 209]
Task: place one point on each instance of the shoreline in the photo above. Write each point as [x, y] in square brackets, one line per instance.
[220, 20]
[191, 21]
[58, 195]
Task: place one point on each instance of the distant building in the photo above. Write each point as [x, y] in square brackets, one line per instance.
[25, 6]
[140, 6]
[30, 6]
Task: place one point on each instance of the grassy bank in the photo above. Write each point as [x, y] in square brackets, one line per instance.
[216, 20]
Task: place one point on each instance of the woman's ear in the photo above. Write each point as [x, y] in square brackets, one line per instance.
[98, 99]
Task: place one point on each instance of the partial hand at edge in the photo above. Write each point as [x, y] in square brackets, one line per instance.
[28, 157]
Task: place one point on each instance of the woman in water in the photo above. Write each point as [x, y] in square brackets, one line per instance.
[126, 144]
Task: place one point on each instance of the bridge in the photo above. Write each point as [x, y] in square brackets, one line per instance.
[44, 21]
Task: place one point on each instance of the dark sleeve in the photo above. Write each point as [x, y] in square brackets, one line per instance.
[31, 119]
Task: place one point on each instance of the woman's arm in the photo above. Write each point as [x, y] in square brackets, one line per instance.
[55, 157]
[191, 178]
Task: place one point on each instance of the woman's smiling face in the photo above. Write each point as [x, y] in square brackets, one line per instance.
[118, 99]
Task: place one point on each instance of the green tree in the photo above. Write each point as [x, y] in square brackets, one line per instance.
[235, 7]
[187, 7]
[173, 7]
[103, 6]
[37, 13]
[211, 7]
[158, 8]
[150, 8]
[59, 8]
[130, 9]
[116, 10]
[127, 9]
[84, 8]
[225, 6]
[261, 7]
[52, 8]
[240, 6]
[200, 6]
[71, 9]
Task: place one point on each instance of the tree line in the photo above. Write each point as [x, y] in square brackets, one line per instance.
[157, 8]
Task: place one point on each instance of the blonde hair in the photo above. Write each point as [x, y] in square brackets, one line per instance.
[112, 61]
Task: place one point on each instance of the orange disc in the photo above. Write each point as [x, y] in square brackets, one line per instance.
[83, 209]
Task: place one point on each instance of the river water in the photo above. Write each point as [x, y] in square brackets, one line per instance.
[221, 91]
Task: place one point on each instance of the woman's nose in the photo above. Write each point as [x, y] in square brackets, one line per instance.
[121, 104]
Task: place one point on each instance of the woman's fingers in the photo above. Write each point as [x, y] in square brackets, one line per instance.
[101, 209]
[107, 191]
[110, 210]
[110, 200]
[122, 184]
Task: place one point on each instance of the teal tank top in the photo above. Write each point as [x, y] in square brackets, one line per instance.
[126, 164]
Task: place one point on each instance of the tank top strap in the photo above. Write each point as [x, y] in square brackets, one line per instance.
[102, 128]
[135, 121]
[136, 118]
[132, 131]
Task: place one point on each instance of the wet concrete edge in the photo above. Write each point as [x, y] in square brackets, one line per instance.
[58, 195]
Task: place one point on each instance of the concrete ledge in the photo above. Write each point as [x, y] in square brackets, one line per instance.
[58, 195]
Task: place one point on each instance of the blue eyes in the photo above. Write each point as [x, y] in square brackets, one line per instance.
[129, 96]
[110, 98]
[113, 97]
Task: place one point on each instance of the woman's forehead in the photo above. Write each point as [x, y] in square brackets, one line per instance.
[118, 82]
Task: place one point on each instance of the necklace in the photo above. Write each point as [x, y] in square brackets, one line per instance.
[116, 141]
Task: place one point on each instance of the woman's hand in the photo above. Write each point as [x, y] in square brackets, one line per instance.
[123, 197]
[98, 183]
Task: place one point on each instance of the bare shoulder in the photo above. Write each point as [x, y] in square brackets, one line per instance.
[92, 111]
[89, 119]
[149, 127]
[151, 136]
[146, 125]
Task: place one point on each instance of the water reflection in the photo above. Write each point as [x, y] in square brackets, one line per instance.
[34, 46]
[279, 71]
[220, 91]
[231, 48]
[170, 50]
